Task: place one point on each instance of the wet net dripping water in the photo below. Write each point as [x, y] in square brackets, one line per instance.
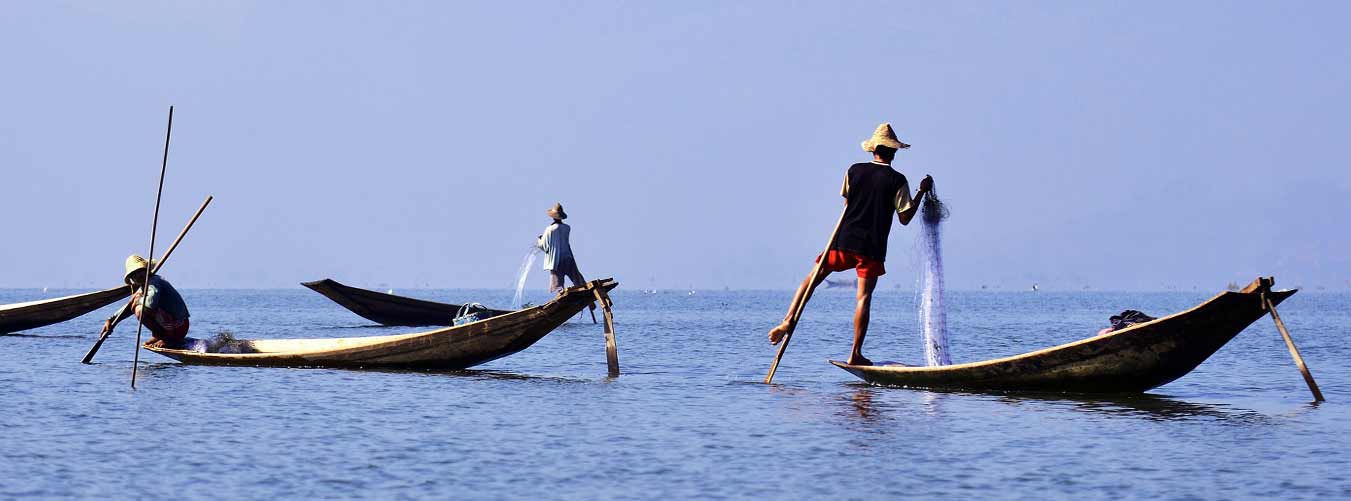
[933, 320]
[526, 263]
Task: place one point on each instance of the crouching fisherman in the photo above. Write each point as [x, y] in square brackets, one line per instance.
[164, 312]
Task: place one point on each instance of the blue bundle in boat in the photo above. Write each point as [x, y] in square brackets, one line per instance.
[472, 312]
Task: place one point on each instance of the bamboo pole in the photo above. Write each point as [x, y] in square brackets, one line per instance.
[154, 228]
[801, 304]
[1294, 352]
[103, 336]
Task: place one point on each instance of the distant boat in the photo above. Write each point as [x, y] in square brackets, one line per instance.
[1130, 360]
[1034, 287]
[839, 284]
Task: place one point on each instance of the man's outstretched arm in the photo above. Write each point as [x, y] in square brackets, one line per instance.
[909, 213]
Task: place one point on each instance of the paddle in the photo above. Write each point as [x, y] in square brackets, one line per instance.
[1290, 342]
[607, 309]
[801, 304]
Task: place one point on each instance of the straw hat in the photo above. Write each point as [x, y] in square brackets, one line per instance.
[556, 212]
[884, 136]
[134, 264]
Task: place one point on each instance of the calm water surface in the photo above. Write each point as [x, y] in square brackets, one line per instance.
[687, 419]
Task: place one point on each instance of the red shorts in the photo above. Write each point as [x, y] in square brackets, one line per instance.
[838, 260]
[166, 327]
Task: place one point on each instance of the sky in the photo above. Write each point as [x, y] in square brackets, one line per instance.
[1103, 145]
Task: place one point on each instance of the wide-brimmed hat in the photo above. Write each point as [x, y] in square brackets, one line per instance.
[134, 264]
[884, 136]
[556, 212]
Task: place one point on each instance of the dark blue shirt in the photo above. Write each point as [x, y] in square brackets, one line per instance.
[162, 296]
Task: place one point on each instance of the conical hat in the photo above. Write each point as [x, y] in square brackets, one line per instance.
[884, 136]
[556, 212]
[134, 264]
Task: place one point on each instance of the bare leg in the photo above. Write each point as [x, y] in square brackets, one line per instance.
[575, 275]
[862, 314]
[776, 334]
[555, 281]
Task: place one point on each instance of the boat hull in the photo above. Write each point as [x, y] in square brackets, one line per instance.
[386, 309]
[34, 314]
[1131, 360]
[450, 348]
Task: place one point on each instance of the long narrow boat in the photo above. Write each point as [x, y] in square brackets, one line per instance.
[455, 347]
[1130, 360]
[386, 309]
[33, 314]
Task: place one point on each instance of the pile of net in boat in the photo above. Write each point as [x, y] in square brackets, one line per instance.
[933, 319]
[222, 342]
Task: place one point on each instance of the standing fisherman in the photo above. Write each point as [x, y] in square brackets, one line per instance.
[557, 248]
[872, 191]
[165, 313]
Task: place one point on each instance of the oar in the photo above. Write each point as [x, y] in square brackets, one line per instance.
[611, 346]
[89, 356]
[1294, 352]
[154, 227]
[802, 303]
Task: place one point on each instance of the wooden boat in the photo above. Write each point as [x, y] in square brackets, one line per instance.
[33, 314]
[1133, 359]
[455, 347]
[387, 309]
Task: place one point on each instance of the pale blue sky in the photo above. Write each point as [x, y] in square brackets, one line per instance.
[1123, 145]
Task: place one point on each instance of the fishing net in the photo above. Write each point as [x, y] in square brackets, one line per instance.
[933, 210]
[933, 319]
[225, 342]
[527, 262]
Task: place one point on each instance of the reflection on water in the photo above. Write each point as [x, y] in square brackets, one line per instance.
[861, 402]
[1147, 406]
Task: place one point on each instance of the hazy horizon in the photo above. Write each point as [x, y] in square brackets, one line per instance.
[701, 145]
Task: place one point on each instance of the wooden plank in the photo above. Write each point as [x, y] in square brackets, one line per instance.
[611, 345]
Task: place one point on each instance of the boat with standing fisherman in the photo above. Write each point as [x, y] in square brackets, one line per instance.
[1134, 359]
[456, 347]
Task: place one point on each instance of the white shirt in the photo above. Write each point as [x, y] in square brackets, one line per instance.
[554, 243]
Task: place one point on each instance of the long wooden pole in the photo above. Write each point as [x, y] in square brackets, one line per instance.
[1294, 352]
[154, 227]
[801, 304]
[112, 321]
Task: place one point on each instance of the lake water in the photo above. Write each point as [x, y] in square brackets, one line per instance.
[687, 419]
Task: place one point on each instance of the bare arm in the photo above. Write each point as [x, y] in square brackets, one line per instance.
[127, 311]
[906, 215]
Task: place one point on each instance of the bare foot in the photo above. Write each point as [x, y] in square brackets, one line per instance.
[858, 360]
[776, 334]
